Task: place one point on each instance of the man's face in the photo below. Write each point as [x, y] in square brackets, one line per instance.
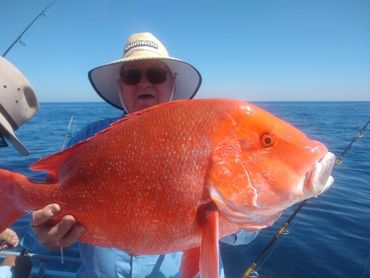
[144, 84]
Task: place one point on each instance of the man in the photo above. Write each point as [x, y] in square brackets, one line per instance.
[145, 76]
[18, 104]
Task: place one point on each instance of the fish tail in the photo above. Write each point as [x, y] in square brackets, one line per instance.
[12, 202]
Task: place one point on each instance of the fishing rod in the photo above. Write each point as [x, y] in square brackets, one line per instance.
[28, 27]
[251, 269]
[69, 132]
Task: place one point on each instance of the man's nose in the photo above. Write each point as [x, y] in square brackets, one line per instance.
[144, 82]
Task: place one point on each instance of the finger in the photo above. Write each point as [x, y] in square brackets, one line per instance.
[9, 238]
[73, 236]
[63, 234]
[13, 240]
[62, 229]
[9, 261]
[3, 246]
[40, 217]
[50, 236]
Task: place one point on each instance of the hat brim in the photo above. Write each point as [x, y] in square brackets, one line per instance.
[7, 131]
[104, 79]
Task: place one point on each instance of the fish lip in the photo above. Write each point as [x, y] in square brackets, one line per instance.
[318, 179]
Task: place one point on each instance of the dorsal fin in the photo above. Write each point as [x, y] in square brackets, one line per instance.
[146, 110]
[50, 163]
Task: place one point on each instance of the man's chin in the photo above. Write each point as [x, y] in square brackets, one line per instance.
[145, 103]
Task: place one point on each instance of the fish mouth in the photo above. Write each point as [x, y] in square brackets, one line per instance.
[318, 179]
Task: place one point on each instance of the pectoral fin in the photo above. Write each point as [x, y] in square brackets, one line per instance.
[190, 263]
[209, 250]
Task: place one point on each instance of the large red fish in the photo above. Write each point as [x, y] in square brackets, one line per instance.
[177, 176]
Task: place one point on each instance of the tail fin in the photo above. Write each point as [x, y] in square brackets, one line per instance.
[12, 203]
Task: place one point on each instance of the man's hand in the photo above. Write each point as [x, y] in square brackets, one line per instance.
[8, 239]
[63, 234]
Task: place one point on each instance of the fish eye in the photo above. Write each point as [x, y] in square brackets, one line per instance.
[267, 139]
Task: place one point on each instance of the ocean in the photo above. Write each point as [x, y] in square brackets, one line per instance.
[330, 237]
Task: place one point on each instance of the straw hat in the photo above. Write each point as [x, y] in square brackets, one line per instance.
[18, 102]
[144, 46]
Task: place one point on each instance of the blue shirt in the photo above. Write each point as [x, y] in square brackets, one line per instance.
[111, 262]
[6, 272]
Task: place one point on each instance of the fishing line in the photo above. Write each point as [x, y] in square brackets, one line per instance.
[69, 132]
[25, 30]
[366, 265]
[251, 269]
[61, 255]
[360, 134]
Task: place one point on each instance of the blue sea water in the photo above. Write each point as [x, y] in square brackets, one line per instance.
[330, 237]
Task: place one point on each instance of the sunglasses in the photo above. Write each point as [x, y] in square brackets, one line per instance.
[153, 75]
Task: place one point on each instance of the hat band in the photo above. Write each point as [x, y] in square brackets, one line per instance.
[141, 43]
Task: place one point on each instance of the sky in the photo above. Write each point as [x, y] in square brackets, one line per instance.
[256, 50]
